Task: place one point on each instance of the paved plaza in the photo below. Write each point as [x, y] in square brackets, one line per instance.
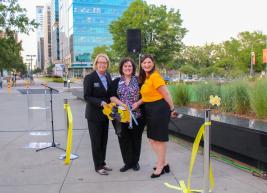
[23, 170]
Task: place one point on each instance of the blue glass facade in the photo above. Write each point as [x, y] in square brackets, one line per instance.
[88, 26]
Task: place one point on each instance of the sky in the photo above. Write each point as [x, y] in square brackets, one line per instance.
[207, 21]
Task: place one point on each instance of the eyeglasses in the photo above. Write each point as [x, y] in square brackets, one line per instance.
[101, 62]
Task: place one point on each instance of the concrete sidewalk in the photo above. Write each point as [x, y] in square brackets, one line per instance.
[22, 170]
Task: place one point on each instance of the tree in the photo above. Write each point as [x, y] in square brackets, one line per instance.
[229, 58]
[13, 20]
[37, 70]
[236, 52]
[161, 31]
[201, 58]
[10, 53]
[188, 69]
[251, 41]
[50, 69]
[114, 60]
[106, 50]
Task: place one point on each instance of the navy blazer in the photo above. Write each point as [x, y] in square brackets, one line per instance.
[94, 94]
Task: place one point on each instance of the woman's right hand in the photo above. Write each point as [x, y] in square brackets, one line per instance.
[124, 105]
[174, 114]
[135, 106]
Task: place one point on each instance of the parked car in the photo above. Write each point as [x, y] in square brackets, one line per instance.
[167, 78]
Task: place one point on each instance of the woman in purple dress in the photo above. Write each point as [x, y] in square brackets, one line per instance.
[125, 93]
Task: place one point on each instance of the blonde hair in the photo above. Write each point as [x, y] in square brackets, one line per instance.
[101, 55]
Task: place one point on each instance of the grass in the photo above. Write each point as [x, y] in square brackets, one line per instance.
[241, 98]
[258, 96]
[180, 94]
[53, 79]
[227, 98]
[204, 90]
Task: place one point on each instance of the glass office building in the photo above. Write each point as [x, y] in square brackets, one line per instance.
[40, 36]
[55, 31]
[84, 25]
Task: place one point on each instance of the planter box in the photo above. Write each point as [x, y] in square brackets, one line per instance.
[243, 139]
[246, 138]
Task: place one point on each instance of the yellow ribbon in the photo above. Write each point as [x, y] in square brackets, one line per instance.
[107, 110]
[69, 140]
[183, 187]
[124, 114]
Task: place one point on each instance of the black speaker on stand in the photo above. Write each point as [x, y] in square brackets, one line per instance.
[134, 40]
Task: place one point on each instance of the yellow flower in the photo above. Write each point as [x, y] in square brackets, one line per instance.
[215, 100]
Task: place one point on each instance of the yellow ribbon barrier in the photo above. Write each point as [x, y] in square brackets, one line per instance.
[27, 83]
[69, 140]
[183, 187]
[9, 84]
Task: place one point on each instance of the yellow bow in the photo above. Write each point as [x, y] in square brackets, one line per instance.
[112, 111]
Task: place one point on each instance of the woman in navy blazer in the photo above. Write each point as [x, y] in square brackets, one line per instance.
[96, 85]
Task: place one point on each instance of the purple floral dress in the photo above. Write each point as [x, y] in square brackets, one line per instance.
[129, 94]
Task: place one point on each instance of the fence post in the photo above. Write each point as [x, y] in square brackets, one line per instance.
[207, 153]
[9, 84]
[68, 82]
[66, 118]
[63, 156]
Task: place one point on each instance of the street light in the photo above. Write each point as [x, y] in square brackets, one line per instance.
[252, 62]
[30, 59]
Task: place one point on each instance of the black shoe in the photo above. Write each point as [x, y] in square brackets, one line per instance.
[136, 167]
[125, 168]
[158, 175]
[166, 168]
[102, 172]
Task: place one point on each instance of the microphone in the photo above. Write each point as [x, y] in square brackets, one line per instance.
[49, 87]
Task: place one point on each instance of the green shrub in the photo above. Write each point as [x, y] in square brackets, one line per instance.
[53, 79]
[204, 90]
[242, 99]
[192, 91]
[59, 80]
[227, 98]
[259, 98]
[180, 94]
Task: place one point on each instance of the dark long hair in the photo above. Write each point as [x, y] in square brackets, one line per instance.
[142, 74]
[123, 61]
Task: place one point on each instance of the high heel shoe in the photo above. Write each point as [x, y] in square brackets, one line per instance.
[157, 175]
[166, 168]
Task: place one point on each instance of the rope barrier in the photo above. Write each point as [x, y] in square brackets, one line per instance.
[183, 187]
[69, 139]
